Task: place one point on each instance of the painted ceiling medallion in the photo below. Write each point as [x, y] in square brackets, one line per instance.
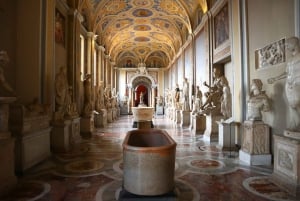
[142, 13]
[142, 28]
[141, 39]
[142, 3]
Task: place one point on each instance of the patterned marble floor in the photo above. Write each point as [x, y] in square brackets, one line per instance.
[92, 170]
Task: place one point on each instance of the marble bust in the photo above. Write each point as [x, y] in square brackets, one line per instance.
[258, 101]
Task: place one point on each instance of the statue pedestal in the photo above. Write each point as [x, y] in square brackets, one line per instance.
[109, 115]
[8, 179]
[32, 133]
[198, 124]
[256, 143]
[60, 136]
[114, 113]
[211, 131]
[185, 118]
[286, 171]
[86, 126]
[159, 110]
[75, 136]
[101, 119]
[177, 116]
[227, 134]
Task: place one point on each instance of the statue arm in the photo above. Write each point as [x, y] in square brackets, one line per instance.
[279, 77]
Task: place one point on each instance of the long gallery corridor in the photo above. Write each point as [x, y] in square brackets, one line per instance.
[93, 170]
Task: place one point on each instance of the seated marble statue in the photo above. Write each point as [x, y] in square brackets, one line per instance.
[292, 83]
[214, 95]
[258, 101]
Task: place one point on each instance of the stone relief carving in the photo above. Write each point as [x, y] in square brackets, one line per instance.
[285, 160]
[271, 54]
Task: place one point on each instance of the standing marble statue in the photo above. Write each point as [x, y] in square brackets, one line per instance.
[176, 103]
[4, 59]
[185, 91]
[61, 93]
[258, 101]
[197, 101]
[226, 100]
[292, 83]
[87, 108]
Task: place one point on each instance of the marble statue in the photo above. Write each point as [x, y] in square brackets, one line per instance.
[185, 91]
[160, 100]
[214, 95]
[142, 94]
[87, 108]
[226, 100]
[4, 59]
[258, 101]
[177, 97]
[107, 97]
[292, 83]
[61, 92]
[197, 102]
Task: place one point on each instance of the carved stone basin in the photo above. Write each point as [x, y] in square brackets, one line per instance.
[142, 113]
[148, 162]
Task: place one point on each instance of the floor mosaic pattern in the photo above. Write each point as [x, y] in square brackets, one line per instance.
[93, 171]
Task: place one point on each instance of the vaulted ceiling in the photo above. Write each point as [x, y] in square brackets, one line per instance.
[142, 31]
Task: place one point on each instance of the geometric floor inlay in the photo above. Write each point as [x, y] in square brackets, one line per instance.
[264, 187]
[206, 163]
[84, 166]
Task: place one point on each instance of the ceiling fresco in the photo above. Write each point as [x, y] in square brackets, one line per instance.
[141, 31]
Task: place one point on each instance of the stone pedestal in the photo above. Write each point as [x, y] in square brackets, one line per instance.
[177, 116]
[101, 119]
[32, 133]
[255, 148]
[124, 110]
[60, 136]
[287, 163]
[75, 136]
[8, 179]
[86, 125]
[185, 118]
[198, 124]
[31, 149]
[109, 115]
[228, 131]
[142, 124]
[211, 131]
[159, 110]
[114, 113]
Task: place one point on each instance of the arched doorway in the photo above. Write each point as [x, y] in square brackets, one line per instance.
[138, 83]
